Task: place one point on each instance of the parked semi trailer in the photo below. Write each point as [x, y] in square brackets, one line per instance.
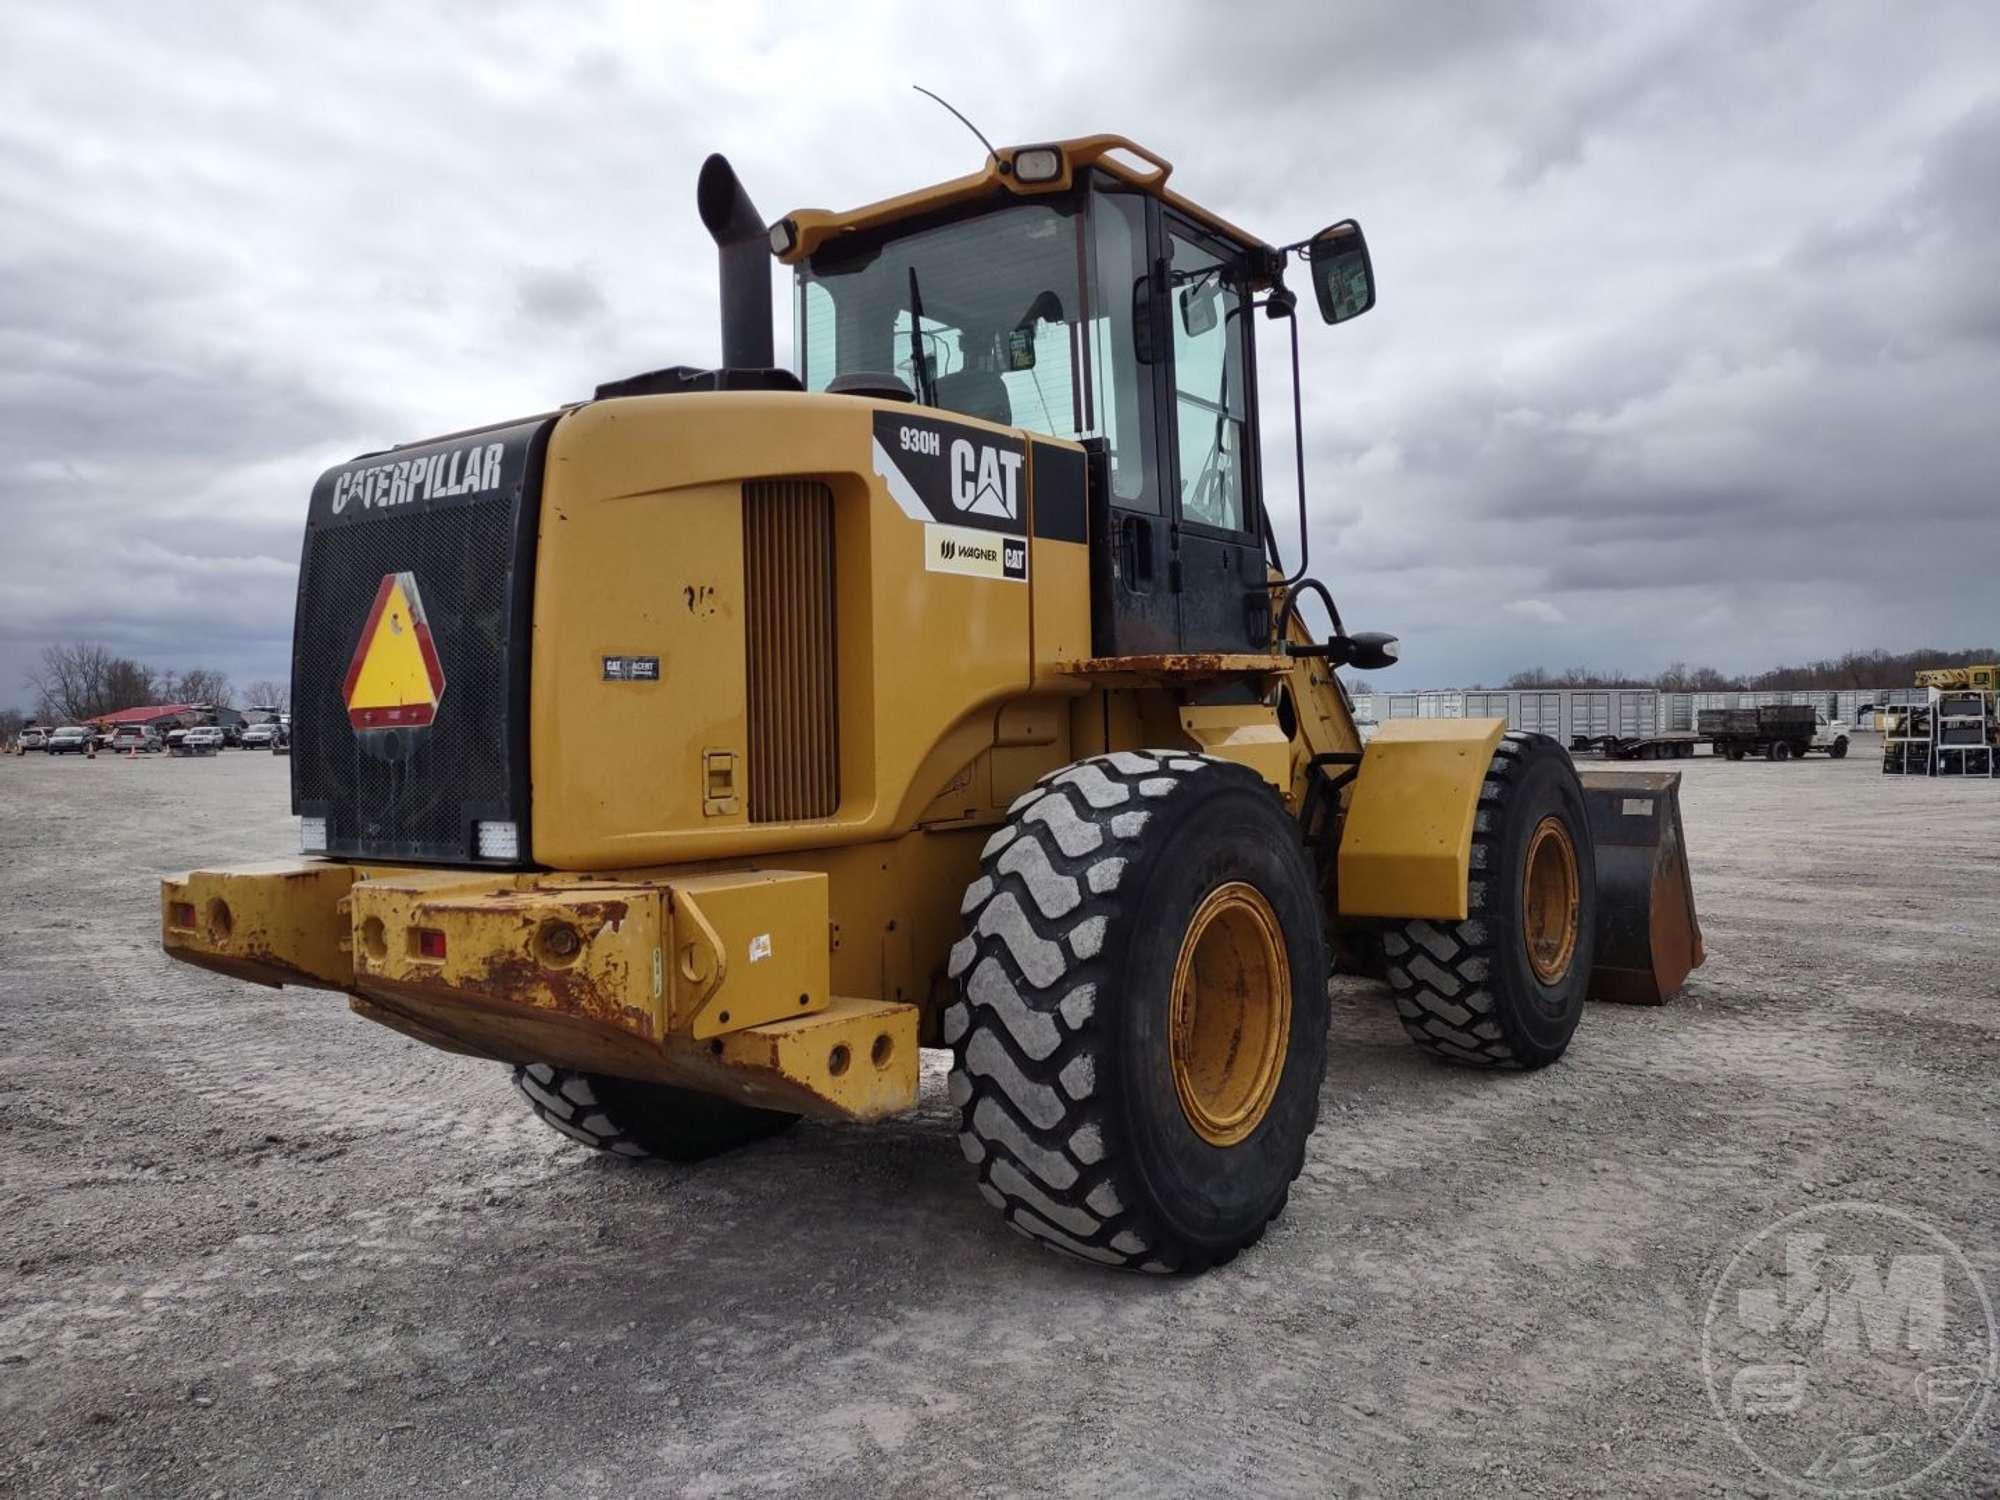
[1666, 746]
[1777, 731]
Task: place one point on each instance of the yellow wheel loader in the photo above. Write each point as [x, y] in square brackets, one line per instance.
[705, 749]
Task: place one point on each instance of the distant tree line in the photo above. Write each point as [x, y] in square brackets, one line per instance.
[1856, 669]
[84, 680]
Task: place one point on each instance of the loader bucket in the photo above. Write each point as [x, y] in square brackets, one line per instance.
[1648, 939]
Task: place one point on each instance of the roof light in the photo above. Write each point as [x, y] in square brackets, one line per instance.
[312, 835]
[499, 840]
[784, 235]
[1038, 164]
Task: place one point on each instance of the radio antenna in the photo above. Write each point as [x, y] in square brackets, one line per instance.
[961, 119]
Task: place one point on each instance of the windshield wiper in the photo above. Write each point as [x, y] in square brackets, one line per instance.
[919, 367]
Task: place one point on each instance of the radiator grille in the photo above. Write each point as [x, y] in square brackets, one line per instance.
[794, 752]
[420, 792]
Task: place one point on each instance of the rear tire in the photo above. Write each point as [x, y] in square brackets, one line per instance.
[1505, 988]
[1781, 750]
[629, 1118]
[1139, 1037]
[1734, 752]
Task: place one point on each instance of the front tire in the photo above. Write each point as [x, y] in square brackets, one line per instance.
[629, 1118]
[1140, 1032]
[1505, 988]
[1838, 749]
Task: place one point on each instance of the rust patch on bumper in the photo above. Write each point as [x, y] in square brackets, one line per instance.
[592, 954]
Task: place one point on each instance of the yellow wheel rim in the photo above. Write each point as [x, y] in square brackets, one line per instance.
[1550, 901]
[1232, 1014]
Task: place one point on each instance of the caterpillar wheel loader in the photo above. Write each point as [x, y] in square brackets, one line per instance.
[703, 750]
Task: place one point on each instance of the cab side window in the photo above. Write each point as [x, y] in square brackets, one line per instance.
[1206, 311]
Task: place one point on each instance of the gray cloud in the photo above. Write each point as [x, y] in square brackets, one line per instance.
[1688, 347]
[560, 299]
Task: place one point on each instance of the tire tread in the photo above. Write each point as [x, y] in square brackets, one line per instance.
[1030, 1041]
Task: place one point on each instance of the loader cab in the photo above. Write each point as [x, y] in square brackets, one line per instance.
[1095, 307]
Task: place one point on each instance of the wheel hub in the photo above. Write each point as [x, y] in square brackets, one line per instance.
[1232, 1013]
[1550, 901]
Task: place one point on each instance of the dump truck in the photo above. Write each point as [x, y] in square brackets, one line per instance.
[1776, 731]
[704, 749]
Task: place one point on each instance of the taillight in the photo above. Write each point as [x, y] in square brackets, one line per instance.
[430, 943]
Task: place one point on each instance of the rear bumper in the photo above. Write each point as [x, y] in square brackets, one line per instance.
[716, 981]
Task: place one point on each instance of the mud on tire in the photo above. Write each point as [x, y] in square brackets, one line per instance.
[629, 1118]
[1064, 1069]
[1467, 991]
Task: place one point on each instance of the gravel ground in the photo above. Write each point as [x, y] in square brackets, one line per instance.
[250, 1244]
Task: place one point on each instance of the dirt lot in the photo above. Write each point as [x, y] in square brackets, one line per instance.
[250, 1244]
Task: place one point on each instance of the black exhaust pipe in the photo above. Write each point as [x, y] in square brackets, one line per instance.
[743, 250]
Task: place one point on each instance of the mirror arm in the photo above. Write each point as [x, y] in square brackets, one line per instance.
[1282, 304]
[1291, 607]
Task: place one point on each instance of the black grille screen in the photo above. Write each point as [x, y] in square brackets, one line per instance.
[427, 551]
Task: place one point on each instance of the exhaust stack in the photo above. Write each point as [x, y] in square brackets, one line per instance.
[743, 251]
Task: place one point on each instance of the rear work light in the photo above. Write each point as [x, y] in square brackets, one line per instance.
[1038, 164]
[499, 840]
[312, 835]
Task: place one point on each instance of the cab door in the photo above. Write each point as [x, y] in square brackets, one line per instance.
[1213, 473]
[1135, 607]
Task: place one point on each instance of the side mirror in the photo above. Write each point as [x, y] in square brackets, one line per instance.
[1198, 306]
[1342, 276]
[1373, 651]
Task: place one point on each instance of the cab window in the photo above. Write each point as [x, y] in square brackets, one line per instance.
[1206, 312]
[976, 315]
[1123, 388]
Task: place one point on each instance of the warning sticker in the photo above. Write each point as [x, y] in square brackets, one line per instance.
[395, 680]
[977, 554]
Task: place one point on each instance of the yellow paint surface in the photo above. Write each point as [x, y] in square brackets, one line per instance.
[1407, 846]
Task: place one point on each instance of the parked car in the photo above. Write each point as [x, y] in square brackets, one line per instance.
[203, 739]
[259, 736]
[34, 737]
[140, 737]
[71, 739]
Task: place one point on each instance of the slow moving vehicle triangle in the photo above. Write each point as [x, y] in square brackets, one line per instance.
[395, 680]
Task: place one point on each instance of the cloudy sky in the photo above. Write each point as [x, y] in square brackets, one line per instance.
[1688, 344]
